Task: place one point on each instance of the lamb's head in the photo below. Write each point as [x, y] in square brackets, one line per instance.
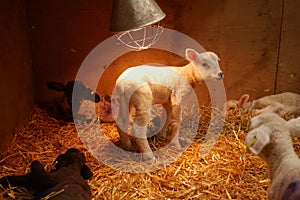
[206, 63]
[237, 104]
[73, 157]
[261, 129]
[36, 167]
[293, 191]
[82, 92]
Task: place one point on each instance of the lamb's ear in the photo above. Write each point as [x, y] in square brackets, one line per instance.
[243, 100]
[56, 86]
[214, 55]
[258, 138]
[85, 172]
[191, 55]
[294, 126]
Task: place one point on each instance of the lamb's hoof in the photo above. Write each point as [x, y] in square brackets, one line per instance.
[161, 135]
[175, 144]
[147, 156]
[4, 182]
[126, 146]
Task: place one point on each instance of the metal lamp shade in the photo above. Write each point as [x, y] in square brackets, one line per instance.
[134, 14]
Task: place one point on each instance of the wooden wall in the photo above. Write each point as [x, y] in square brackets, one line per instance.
[62, 33]
[16, 74]
[256, 40]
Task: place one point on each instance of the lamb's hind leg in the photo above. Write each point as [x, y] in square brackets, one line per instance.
[139, 127]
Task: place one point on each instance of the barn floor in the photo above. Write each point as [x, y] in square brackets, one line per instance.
[229, 171]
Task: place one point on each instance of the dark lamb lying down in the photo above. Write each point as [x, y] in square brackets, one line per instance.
[66, 181]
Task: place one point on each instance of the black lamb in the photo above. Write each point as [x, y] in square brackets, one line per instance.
[67, 181]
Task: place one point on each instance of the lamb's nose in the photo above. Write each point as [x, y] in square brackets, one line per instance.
[221, 75]
[97, 97]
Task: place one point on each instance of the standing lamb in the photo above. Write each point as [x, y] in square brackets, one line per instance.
[283, 103]
[269, 137]
[143, 86]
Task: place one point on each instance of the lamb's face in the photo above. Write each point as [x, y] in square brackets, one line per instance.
[230, 105]
[36, 166]
[241, 103]
[261, 128]
[259, 134]
[258, 138]
[73, 156]
[82, 92]
[71, 100]
[206, 63]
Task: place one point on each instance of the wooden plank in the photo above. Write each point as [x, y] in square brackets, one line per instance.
[289, 58]
[16, 82]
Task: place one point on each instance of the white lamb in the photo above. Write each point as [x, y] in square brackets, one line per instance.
[90, 111]
[294, 126]
[141, 87]
[269, 137]
[283, 103]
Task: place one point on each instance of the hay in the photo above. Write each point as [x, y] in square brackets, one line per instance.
[229, 171]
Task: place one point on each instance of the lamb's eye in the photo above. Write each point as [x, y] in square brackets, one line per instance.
[205, 65]
[232, 108]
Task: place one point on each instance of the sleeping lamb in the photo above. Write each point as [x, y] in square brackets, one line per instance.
[65, 182]
[68, 105]
[141, 87]
[283, 103]
[294, 126]
[87, 105]
[269, 137]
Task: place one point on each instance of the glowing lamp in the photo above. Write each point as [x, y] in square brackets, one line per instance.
[134, 23]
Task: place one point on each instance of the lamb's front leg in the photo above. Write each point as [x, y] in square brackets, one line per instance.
[175, 119]
[163, 132]
[122, 124]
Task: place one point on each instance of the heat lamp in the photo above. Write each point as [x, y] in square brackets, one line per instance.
[135, 23]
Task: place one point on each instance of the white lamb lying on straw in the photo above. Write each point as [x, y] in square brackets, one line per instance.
[294, 126]
[143, 86]
[270, 138]
[283, 103]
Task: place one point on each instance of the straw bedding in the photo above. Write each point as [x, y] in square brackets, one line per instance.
[228, 171]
